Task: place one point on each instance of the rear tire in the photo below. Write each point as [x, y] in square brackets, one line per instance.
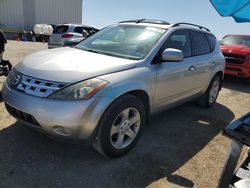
[120, 126]
[208, 99]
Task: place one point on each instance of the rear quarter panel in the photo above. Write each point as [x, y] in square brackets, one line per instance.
[219, 60]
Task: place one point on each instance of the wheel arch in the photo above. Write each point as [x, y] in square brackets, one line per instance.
[144, 97]
[217, 73]
[141, 95]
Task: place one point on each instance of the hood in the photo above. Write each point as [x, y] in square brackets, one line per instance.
[71, 65]
[226, 48]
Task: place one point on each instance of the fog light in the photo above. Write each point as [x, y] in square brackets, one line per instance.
[62, 131]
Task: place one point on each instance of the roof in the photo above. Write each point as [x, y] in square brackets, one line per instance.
[148, 25]
[77, 25]
[165, 25]
[147, 22]
[237, 35]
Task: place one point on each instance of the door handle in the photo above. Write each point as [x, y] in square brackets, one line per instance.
[213, 63]
[192, 68]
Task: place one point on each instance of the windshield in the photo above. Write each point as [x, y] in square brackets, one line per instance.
[240, 40]
[125, 41]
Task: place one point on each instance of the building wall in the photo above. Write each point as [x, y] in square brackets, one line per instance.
[24, 14]
[58, 11]
[29, 13]
[11, 14]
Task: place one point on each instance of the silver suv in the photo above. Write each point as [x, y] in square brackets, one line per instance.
[65, 32]
[105, 88]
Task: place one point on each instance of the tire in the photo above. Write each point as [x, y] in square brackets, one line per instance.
[208, 99]
[116, 133]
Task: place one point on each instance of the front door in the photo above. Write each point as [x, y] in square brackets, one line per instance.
[176, 80]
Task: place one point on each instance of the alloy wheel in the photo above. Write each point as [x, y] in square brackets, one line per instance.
[214, 91]
[125, 128]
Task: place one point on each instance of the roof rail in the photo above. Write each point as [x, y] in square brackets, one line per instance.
[146, 21]
[184, 23]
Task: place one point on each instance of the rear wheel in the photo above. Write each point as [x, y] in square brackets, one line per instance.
[208, 99]
[120, 126]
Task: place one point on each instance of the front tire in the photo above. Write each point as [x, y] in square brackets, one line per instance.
[208, 99]
[120, 126]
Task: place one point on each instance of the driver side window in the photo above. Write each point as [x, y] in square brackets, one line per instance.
[180, 40]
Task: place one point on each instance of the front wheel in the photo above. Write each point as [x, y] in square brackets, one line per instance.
[120, 126]
[208, 99]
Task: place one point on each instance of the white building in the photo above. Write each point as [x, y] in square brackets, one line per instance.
[24, 14]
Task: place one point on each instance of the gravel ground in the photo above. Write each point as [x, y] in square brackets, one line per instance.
[182, 147]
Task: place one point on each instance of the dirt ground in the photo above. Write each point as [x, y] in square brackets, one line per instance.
[182, 147]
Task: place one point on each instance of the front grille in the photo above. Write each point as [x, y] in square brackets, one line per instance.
[33, 86]
[18, 114]
[235, 59]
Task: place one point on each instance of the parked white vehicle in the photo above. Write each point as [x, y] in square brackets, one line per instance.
[65, 32]
[43, 29]
[42, 32]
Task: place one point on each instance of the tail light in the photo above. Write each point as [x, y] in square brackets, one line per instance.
[67, 36]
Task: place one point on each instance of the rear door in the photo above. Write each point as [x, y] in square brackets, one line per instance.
[202, 59]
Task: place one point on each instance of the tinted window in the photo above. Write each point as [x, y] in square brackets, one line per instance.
[78, 30]
[90, 30]
[60, 29]
[200, 43]
[212, 41]
[180, 40]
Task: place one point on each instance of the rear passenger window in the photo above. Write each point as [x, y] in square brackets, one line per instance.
[91, 31]
[180, 40]
[212, 41]
[200, 43]
[78, 30]
[88, 29]
[60, 29]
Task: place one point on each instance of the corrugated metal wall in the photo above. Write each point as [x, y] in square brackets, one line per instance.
[58, 11]
[24, 14]
[11, 14]
[29, 13]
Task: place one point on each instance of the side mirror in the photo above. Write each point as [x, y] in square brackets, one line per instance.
[171, 54]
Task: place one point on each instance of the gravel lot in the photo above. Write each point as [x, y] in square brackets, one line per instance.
[182, 147]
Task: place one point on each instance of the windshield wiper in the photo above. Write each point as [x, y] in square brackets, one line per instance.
[107, 53]
[90, 50]
[98, 52]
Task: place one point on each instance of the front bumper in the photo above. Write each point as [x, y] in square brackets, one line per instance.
[79, 118]
[236, 70]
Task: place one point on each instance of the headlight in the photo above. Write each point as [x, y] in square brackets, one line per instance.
[14, 78]
[81, 90]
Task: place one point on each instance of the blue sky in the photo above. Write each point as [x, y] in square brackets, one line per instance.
[101, 13]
